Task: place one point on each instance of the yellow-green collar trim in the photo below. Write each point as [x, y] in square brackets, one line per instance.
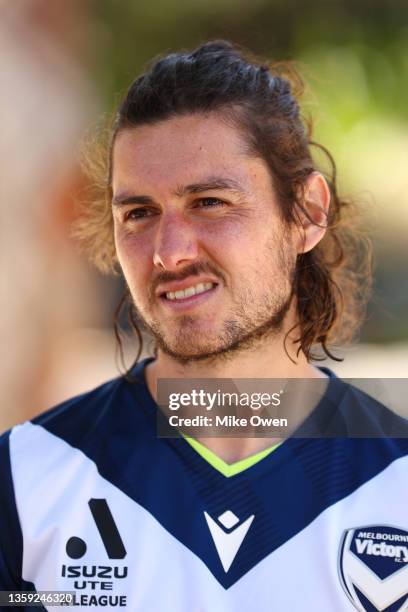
[228, 469]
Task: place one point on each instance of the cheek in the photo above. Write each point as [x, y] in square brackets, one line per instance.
[229, 239]
[245, 245]
[135, 257]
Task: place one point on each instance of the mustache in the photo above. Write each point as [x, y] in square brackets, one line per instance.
[191, 270]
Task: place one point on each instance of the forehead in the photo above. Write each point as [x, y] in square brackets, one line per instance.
[182, 150]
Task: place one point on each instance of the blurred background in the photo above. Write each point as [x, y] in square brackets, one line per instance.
[63, 66]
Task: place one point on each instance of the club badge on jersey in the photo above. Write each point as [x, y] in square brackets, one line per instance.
[373, 568]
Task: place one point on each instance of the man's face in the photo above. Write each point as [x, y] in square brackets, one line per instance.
[207, 259]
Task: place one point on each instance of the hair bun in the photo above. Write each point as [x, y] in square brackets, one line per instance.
[214, 46]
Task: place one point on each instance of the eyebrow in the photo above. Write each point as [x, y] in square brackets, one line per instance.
[210, 184]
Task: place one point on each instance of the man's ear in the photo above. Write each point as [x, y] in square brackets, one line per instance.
[313, 218]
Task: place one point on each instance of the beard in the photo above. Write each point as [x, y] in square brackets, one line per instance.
[252, 319]
[239, 332]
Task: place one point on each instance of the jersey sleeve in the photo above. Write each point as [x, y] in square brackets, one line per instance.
[11, 540]
[11, 537]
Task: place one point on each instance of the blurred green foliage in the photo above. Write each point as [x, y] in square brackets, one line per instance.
[360, 43]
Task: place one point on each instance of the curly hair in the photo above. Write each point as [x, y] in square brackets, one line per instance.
[333, 280]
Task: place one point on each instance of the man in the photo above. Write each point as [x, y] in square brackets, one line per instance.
[238, 264]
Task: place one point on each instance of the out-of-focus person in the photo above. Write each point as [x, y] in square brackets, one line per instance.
[44, 105]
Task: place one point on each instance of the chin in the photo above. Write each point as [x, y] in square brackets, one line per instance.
[185, 358]
[189, 351]
[189, 348]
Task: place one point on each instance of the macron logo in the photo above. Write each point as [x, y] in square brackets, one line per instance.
[228, 537]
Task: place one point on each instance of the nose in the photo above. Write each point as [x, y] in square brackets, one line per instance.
[175, 243]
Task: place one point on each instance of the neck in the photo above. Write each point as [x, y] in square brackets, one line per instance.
[267, 360]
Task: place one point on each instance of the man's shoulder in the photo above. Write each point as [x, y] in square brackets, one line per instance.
[83, 416]
[83, 405]
[365, 413]
[76, 406]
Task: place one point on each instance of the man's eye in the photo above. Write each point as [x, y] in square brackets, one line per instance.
[210, 203]
[138, 213]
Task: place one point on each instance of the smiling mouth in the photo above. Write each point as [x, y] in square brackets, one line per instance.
[188, 292]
